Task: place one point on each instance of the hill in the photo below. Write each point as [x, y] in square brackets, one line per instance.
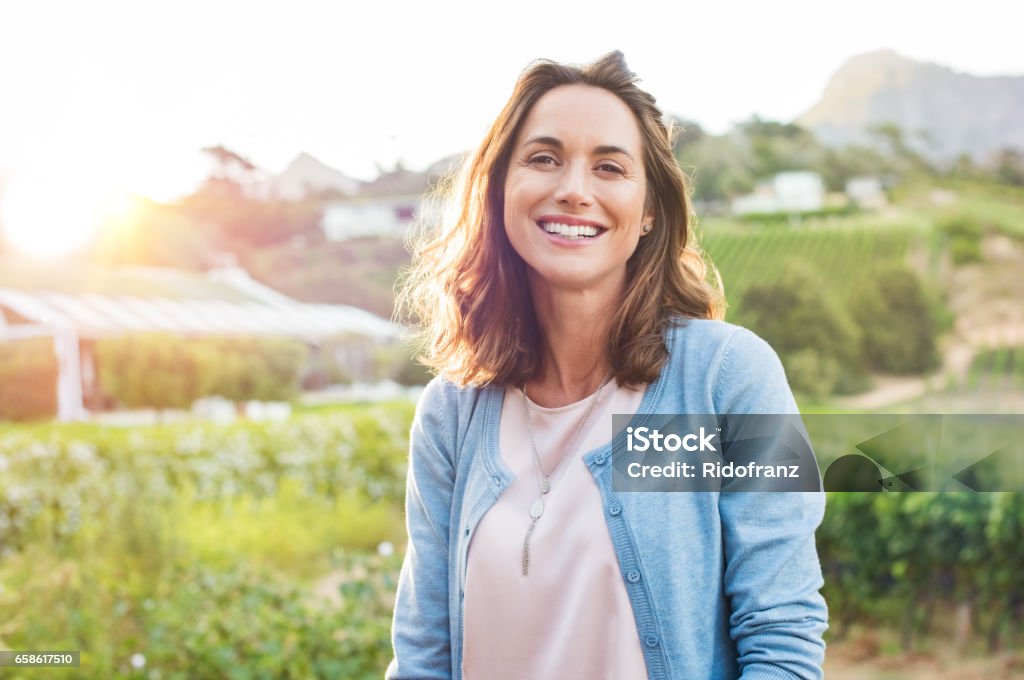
[943, 113]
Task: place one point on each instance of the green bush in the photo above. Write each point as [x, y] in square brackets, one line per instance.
[898, 328]
[810, 373]
[398, 362]
[28, 379]
[787, 217]
[964, 234]
[961, 226]
[242, 624]
[167, 371]
[965, 251]
[204, 548]
[818, 342]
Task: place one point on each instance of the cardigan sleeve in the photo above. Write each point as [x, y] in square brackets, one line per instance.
[772, 572]
[420, 630]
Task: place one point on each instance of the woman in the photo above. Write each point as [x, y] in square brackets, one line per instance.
[563, 290]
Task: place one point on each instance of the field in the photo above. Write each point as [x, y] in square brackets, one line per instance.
[205, 551]
[845, 254]
[271, 550]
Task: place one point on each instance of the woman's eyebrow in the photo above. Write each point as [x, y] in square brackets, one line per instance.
[598, 150]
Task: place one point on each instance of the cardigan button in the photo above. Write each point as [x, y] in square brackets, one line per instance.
[633, 576]
[651, 640]
[614, 509]
[599, 459]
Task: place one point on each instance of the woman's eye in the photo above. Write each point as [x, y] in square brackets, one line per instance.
[542, 160]
[611, 167]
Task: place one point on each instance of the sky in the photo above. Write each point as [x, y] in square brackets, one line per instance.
[105, 97]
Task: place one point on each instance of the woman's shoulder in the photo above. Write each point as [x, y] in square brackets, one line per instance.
[740, 371]
[714, 337]
[446, 406]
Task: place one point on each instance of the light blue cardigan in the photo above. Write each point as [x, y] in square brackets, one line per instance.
[722, 586]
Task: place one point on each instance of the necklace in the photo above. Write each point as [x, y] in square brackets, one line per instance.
[544, 478]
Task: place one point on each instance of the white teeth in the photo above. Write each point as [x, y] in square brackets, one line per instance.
[573, 231]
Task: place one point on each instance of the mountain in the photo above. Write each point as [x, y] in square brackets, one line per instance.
[304, 176]
[942, 113]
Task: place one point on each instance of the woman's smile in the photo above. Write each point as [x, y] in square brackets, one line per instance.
[567, 230]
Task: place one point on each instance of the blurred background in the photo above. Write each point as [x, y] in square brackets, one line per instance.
[205, 394]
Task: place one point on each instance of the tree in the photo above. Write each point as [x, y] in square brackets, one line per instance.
[898, 326]
[817, 341]
[1010, 167]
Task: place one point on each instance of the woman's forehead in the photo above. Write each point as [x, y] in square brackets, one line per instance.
[582, 114]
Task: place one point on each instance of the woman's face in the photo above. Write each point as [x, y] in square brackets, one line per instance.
[575, 190]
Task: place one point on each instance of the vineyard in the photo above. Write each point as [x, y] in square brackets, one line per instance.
[194, 550]
[845, 255]
[997, 370]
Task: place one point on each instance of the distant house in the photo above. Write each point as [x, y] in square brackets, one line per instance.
[866, 192]
[389, 205]
[786, 192]
[370, 216]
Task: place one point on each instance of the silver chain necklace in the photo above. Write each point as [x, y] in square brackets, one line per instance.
[544, 478]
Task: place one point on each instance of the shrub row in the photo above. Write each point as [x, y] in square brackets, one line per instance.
[167, 371]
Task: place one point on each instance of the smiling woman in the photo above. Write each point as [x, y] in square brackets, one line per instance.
[566, 289]
[574, 201]
[52, 216]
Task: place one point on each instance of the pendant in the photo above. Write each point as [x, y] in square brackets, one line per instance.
[526, 549]
[537, 509]
[545, 485]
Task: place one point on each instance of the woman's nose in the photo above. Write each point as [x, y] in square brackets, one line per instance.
[573, 185]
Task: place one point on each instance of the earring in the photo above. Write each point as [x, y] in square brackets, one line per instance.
[646, 229]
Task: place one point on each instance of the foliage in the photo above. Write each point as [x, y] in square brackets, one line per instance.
[399, 363]
[963, 233]
[157, 235]
[998, 369]
[817, 341]
[358, 272]
[783, 218]
[844, 255]
[201, 547]
[241, 623]
[898, 330]
[167, 371]
[891, 557]
[28, 379]
[725, 166]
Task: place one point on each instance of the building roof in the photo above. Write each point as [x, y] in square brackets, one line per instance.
[99, 302]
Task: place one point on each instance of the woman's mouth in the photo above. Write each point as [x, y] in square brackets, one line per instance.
[572, 232]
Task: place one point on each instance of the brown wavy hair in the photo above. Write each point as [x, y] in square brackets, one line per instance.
[467, 287]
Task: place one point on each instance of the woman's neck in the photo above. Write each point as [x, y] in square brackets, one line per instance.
[574, 354]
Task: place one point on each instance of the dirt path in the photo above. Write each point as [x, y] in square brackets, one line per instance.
[856, 661]
[988, 300]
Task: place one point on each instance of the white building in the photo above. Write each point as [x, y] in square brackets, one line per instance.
[370, 216]
[786, 192]
[866, 192]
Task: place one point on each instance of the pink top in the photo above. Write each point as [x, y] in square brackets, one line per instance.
[569, 617]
